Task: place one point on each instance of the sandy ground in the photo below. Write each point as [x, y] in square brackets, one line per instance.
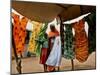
[31, 65]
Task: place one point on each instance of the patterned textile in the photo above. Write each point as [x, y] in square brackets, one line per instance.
[19, 32]
[81, 41]
[68, 43]
[34, 35]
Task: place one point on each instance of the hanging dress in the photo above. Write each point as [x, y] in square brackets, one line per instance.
[34, 35]
[19, 33]
[81, 41]
[40, 38]
[68, 43]
[91, 20]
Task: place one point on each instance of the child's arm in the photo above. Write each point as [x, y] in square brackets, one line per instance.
[39, 41]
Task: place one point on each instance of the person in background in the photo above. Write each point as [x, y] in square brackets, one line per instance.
[54, 50]
[44, 55]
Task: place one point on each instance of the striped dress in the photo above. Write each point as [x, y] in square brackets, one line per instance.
[81, 41]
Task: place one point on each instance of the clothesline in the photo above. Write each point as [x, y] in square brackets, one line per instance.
[66, 22]
[76, 19]
[29, 25]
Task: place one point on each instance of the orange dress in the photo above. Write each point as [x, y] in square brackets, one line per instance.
[19, 33]
[81, 41]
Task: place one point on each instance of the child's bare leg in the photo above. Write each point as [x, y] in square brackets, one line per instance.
[45, 68]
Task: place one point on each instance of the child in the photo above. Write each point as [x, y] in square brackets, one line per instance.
[44, 54]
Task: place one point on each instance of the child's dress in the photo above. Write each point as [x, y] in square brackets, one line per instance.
[43, 56]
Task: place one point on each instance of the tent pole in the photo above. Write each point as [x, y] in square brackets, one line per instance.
[61, 33]
[62, 36]
[62, 39]
[72, 63]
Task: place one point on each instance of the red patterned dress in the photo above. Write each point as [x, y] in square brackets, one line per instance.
[19, 32]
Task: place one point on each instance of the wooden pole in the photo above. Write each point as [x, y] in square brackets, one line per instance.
[72, 63]
[62, 40]
[62, 34]
[18, 60]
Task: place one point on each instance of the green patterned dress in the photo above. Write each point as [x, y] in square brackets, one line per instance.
[68, 42]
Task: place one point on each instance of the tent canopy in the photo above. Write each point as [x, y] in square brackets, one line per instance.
[46, 12]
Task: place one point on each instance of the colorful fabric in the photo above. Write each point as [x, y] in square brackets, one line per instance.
[52, 36]
[34, 35]
[41, 38]
[19, 32]
[54, 59]
[68, 43]
[44, 50]
[43, 56]
[81, 41]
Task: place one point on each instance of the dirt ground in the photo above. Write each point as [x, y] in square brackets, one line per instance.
[31, 65]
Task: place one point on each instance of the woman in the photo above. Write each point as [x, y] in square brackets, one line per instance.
[54, 51]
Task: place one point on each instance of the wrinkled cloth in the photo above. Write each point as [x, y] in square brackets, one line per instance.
[68, 43]
[81, 42]
[34, 35]
[43, 55]
[54, 58]
[19, 32]
[52, 36]
[44, 50]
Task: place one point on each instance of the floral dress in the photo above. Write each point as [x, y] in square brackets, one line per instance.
[19, 32]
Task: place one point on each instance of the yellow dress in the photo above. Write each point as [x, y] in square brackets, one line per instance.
[34, 35]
